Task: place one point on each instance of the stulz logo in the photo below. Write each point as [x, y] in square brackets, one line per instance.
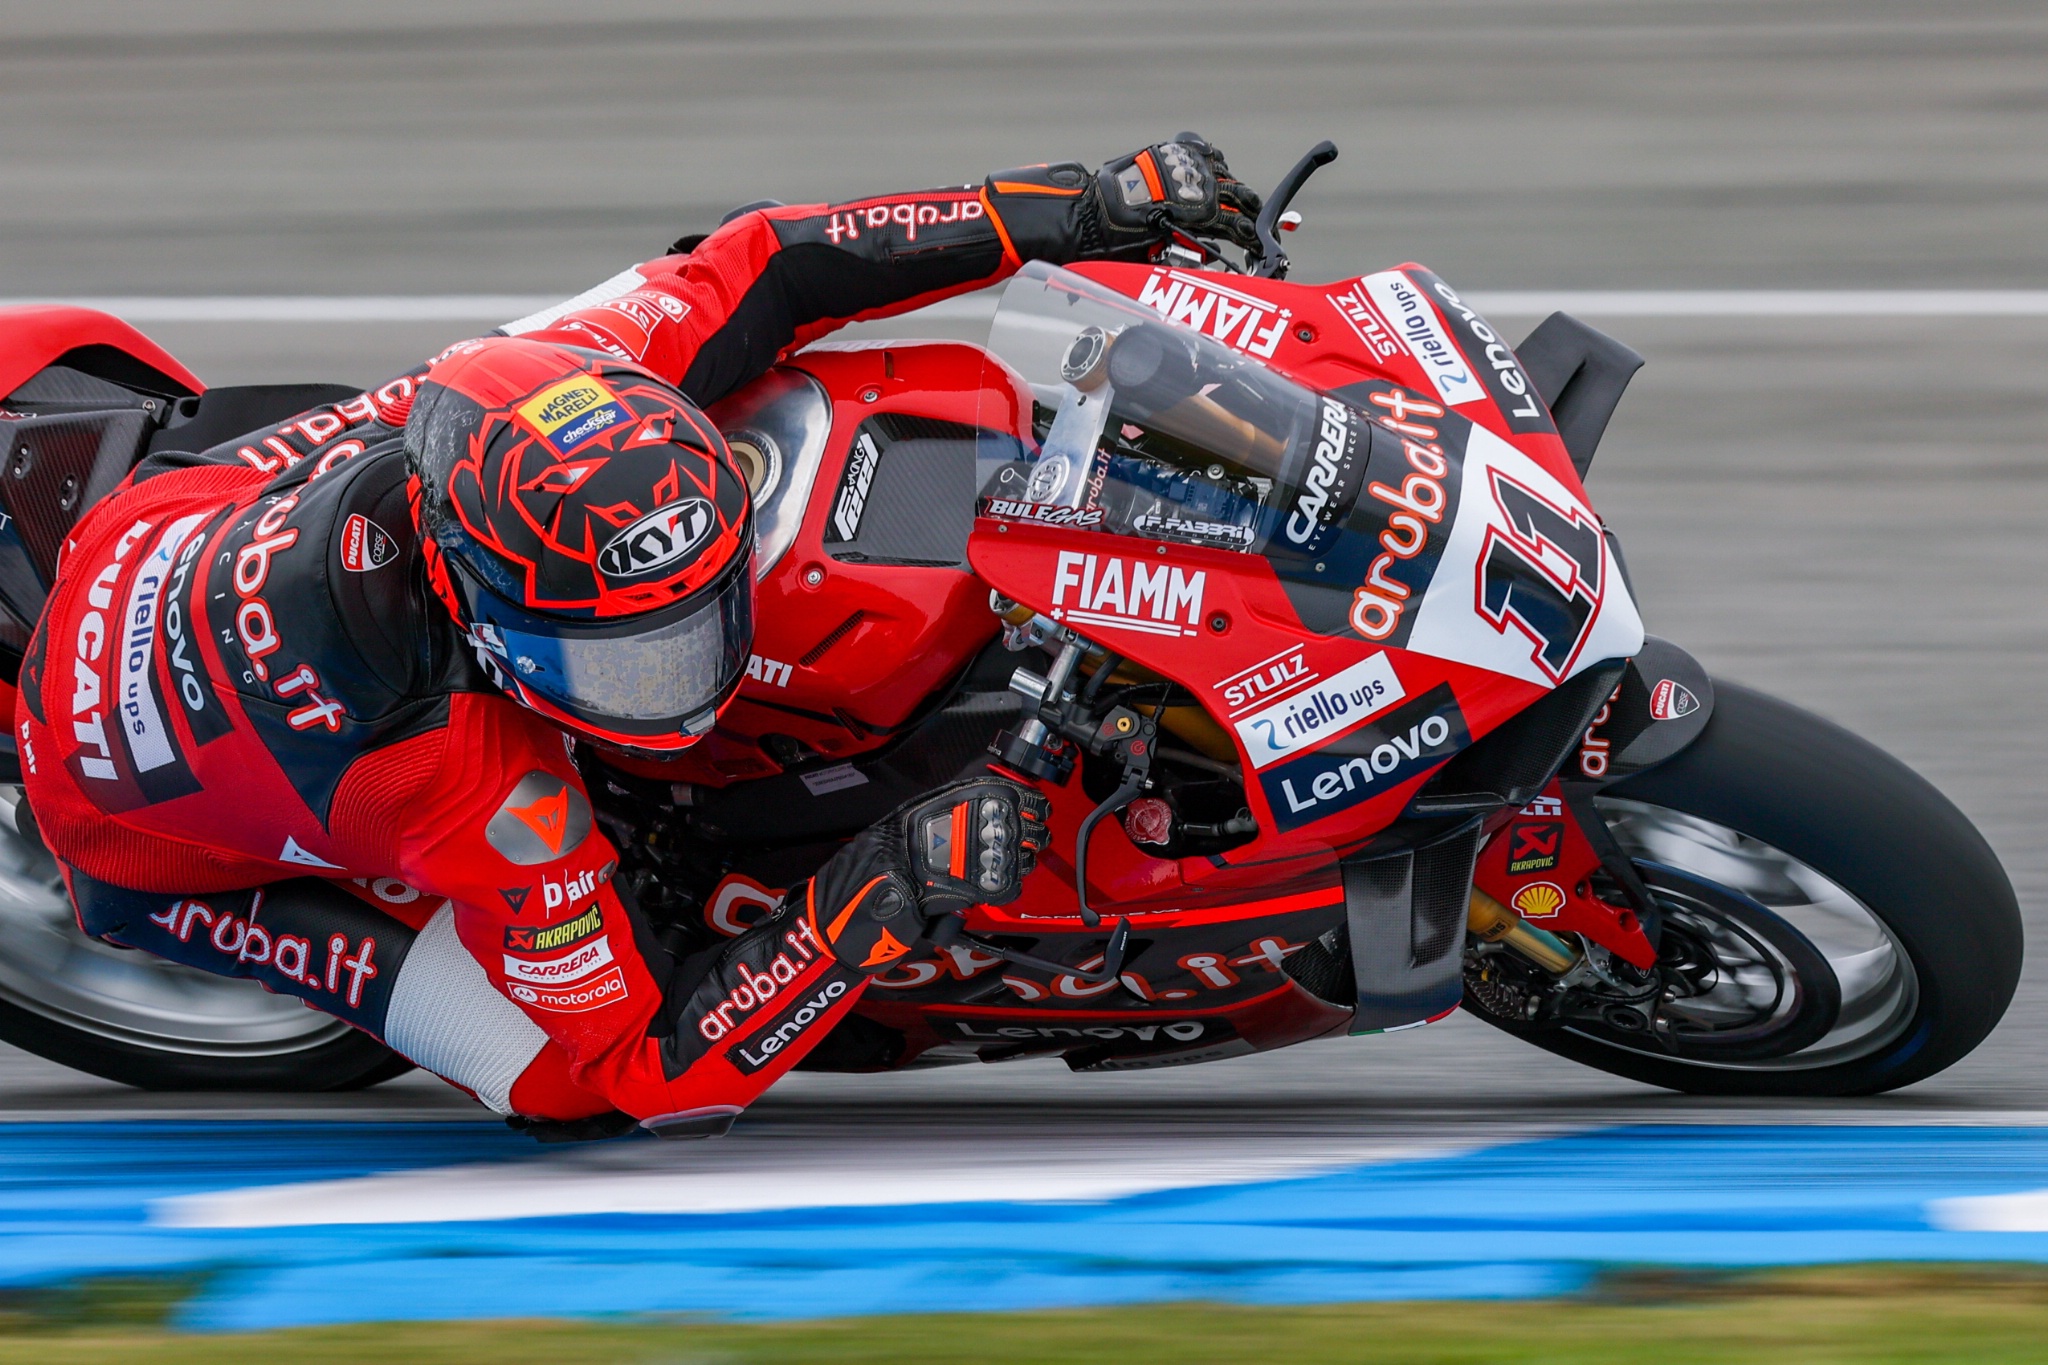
[1321, 712]
[1372, 759]
[1126, 594]
[760, 1051]
[658, 539]
[1333, 475]
[1266, 679]
[1365, 320]
[1240, 321]
[852, 502]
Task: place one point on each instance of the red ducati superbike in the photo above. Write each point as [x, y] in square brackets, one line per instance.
[1291, 599]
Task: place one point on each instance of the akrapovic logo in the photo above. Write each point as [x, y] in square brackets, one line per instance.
[658, 539]
[852, 502]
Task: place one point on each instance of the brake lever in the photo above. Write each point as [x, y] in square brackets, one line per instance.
[1272, 256]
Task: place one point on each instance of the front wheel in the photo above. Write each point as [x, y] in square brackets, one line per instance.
[1834, 926]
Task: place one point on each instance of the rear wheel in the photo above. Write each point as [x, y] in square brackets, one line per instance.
[137, 1019]
[1834, 926]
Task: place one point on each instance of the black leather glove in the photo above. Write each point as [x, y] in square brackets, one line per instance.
[1063, 212]
[1184, 183]
[971, 843]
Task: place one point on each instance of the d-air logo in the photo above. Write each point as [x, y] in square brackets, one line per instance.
[567, 414]
[852, 502]
[534, 938]
[1669, 700]
[1321, 712]
[365, 545]
[658, 539]
[543, 819]
[1240, 321]
[1127, 594]
[1372, 759]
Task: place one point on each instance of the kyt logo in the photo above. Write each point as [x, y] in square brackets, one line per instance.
[1126, 594]
[658, 539]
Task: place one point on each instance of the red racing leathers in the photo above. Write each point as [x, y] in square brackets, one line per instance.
[242, 676]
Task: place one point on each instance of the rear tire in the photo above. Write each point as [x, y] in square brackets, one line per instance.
[145, 1022]
[1781, 783]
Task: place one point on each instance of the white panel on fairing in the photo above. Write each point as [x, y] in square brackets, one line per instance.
[1448, 623]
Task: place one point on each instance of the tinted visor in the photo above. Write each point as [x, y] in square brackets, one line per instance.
[664, 673]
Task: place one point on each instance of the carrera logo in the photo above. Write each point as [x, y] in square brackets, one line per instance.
[760, 1051]
[1333, 475]
[1155, 599]
[1669, 700]
[573, 965]
[569, 413]
[1321, 712]
[1372, 759]
[1533, 846]
[658, 539]
[1240, 321]
[1416, 323]
[522, 938]
[365, 545]
[572, 999]
[543, 819]
[852, 502]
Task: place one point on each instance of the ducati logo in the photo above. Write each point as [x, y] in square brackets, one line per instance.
[658, 539]
[365, 545]
[1669, 700]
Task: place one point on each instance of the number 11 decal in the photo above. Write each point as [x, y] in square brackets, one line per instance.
[1541, 574]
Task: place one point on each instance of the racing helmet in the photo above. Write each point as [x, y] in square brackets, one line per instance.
[587, 527]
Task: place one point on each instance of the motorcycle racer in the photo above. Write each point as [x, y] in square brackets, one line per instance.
[296, 709]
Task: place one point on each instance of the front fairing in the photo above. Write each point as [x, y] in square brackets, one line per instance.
[1378, 561]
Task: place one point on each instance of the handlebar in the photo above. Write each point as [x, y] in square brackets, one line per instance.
[1272, 256]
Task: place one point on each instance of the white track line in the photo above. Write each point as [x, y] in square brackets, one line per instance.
[1647, 303]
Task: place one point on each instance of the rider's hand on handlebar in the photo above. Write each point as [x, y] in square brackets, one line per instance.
[1183, 184]
[971, 843]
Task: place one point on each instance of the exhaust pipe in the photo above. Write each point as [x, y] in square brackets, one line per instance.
[1495, 923]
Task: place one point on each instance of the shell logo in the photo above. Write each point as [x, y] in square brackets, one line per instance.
[1538, 900]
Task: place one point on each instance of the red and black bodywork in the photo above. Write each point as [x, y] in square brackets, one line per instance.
[1464, 672]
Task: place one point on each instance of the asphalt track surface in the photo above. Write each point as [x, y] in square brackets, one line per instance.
[1846, 512]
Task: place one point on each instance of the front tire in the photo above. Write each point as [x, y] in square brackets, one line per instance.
[1859, 854]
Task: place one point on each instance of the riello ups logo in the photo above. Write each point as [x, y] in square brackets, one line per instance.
[1374, 758]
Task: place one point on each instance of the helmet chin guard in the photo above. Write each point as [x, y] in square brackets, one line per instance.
[589, 530]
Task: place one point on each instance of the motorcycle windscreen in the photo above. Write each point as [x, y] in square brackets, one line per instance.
[1146, 429]
[1395, 521]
